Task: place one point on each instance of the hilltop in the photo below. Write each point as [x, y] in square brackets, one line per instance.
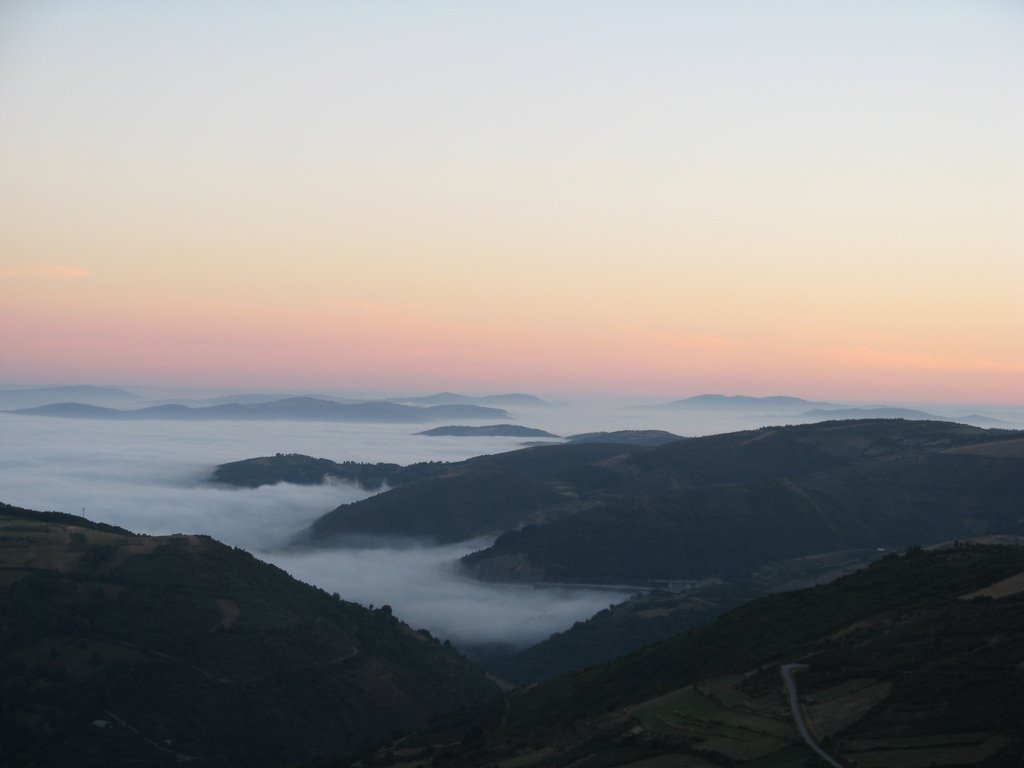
[122, 649]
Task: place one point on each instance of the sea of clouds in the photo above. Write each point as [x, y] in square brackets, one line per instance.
[152, 477]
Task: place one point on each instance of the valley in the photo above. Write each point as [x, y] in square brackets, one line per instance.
[717, 538]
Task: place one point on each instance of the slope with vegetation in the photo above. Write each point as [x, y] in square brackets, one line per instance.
[648, 617]
[122, 649]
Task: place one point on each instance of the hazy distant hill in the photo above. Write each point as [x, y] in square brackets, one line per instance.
[879, 412]
[884, 412]
[914, 661]
[594, 512]
[294, 408]
[257, 397]
[492, 430]
[740, 402]
[30, 397]
[510, 400]
[119, 649]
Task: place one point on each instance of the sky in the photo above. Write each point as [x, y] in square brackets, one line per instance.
[661, 198]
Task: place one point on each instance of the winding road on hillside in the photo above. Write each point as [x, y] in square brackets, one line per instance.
[798, 717]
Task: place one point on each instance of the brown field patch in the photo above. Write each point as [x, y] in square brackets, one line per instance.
[141, 547]
[1009, 586]
[842, 711]
[1010, 449]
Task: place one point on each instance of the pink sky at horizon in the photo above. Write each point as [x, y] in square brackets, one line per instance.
[659, 201]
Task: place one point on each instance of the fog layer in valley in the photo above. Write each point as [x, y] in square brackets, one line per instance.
[424, 589]
[149, 477]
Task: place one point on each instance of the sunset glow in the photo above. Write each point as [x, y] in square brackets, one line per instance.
[651, 198]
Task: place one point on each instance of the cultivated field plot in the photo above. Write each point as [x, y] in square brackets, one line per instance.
[830, 711]
[715, 717]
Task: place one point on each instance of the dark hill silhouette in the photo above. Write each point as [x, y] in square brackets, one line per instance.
[305, 470]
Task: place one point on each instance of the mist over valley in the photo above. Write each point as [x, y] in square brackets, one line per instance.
[153, 477]
[532, 561]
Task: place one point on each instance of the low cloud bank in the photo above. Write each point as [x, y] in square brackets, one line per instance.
[153, 481]
[424, 587]
[150, 478]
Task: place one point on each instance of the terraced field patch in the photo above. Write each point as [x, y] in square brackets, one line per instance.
[1004, 588]
[841, 709]
[736, 731]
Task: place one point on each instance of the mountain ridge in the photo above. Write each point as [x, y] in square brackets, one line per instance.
[600, 513]
[293, 408]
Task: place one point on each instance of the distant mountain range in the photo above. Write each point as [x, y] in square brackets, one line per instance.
[30, 397]
[796, 406]
[886, 412]
[740, 402]
[510, 400]
[254, 397]
[295, 408]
